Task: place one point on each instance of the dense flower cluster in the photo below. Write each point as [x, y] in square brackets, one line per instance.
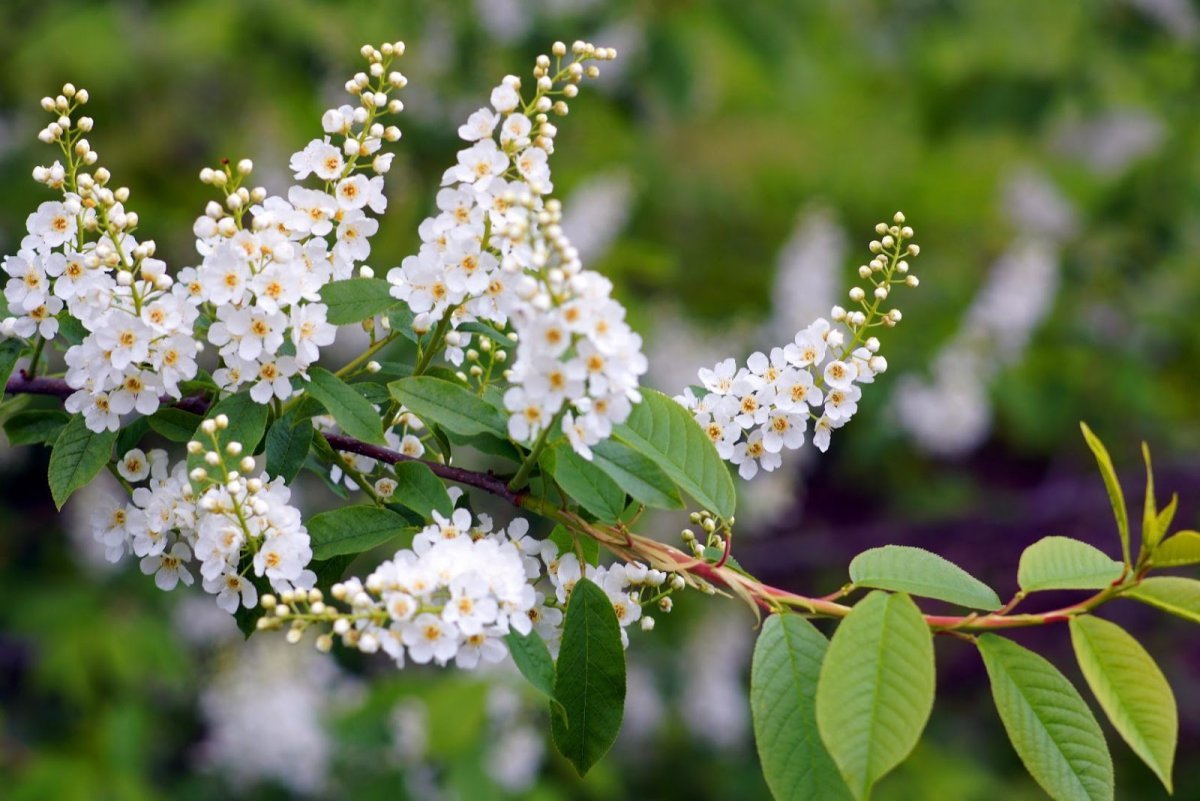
[496, 252]
[231, 525]
[458, 591]
[753, 412]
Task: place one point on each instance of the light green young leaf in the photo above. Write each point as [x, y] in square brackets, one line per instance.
[451, 406]
[644, 480]
[585, 483]
[355, 299]
[876, 688]
[1115, 495]
[353, 529]
[1131, 689]
[1181, 548]
[1175, 594]
[418, 489]
[354, 413]
[247, 423]
[1048, 723]
[783, 690]
[666, 433]
[1061, 563]
[590, 681]
[1151, 533]
[78, 455]
[903, 568]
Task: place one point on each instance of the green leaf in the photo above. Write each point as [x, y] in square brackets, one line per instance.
[916, 571]
[10, 352]
[666, 433]
[585, 483]
[532, 658]
[876, 688]
[418, 489]
[78, 455]
[1061, 563]
[174, 424]
[1115, 495]
[35, 426]
[1175, 594]
[1050, 726]
[1150, 531]
[247, 422]
[353, 529]
[451, 406]
[354, 413]
[567, 542]
[129, 436]
[783, 689]
[356, 299]
[590, 683]
[644, 480]
[287, 447]
[1182, 548]
[1167, 516]
[1131, 689]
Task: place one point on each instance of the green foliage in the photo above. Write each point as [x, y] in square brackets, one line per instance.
[876, 687]
[640, 477]
[783, 689]
[532, 657]
[585, 483]
[354, 413]
[1175, 594]
[288, 442]
[355, 299]
[174, 424]
[10, 351]
[1115, 495]
[919, 572]
[247, 424]
[78, 455]
[1131, 689]
[419, 490]
[664, 432]
[1061, 563]
[354, 529]
[590, 683]
[35, 426]
[1050, 726]
[452, 406]
[1181, 548]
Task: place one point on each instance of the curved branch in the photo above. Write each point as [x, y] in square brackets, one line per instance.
[700, 573]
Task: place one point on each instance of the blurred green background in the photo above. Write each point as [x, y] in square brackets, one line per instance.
[727, 172]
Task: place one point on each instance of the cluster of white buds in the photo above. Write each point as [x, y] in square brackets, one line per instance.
[753, 412]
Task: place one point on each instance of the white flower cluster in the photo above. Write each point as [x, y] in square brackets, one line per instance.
[496, 251]
[260, 278]
[458, 591]
[753, 412]
[233, 526]
[80, 256]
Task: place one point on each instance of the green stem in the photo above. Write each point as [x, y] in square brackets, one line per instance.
[518, 481]
[31, 371]
[366, 355]
[439, 333]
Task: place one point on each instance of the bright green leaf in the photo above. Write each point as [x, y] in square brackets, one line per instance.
[1175, 594]
[1131, 689]
[590, 683]
[1115, 495]
[666, 433]
[1050, 726]
[585, 483]
[1061, 563]
[355, 299]
[452, 406]
[919, 572]
[532, 658]
[354, 413]
[644, 480]
[287, 447]
[1150, 531]
[876, 688]
[1182, 548]
[247, 423]
[353, 529]
[783, 689]
[78, 455]
[568, 542]
[418, 489]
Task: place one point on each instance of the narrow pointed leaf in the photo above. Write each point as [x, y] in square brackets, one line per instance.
[532, 657]
[1150, 531]
[1175, 594]
[354, 413]
[1061, 563]
[590, 681]
[1048, 723]
[644, 480]
[783, 690]
[916, 571]
[666, 433]
[451, 406]
[875, 690]
[78, 455]
[1115, 495]
[1182, 548]
[585, 483]
[1131, 689]
[354, 529]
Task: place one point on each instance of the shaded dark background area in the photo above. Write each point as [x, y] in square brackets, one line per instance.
[726, 172]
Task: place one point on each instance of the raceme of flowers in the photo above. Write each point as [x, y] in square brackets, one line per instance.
[496, 252]
[216, 515]
[753, 412]
[459, 590]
